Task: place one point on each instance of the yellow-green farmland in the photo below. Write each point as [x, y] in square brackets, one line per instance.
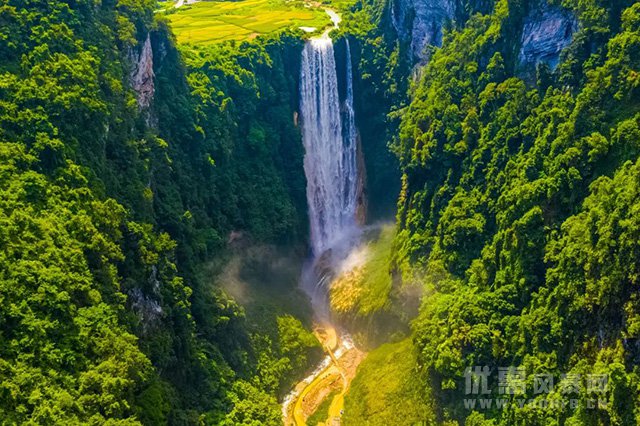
[208, 22]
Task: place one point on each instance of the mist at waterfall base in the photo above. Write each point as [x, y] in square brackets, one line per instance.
[329, 136]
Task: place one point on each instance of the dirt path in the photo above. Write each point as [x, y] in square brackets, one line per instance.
[334, 374]
[313, 394]
[181, 3]
[335, 410]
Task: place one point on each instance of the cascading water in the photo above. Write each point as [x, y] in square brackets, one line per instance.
[330, 151]
[330, 164]
[350, 137]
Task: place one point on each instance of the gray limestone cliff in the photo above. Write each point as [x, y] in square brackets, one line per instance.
[141, 77]
[547, 31]
[421, 23]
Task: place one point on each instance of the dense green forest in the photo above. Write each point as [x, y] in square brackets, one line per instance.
[519, 212]
[111, 205]
[153, 216]
[517, 217]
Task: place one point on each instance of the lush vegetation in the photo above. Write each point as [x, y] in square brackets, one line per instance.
[264, 281]
[518, 214]
[210, 22]
[385, 390]
[109, 207]
[321, 414]
[375, 304]
[519, 208]
[366, 288]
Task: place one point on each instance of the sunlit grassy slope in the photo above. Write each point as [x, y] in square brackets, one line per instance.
[366, 289]
[209, 22]
[384, 391]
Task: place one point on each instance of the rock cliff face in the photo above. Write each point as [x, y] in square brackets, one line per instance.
[142, 74]
[547, 30]
[147, 306]
[361, 187]
[421, 22]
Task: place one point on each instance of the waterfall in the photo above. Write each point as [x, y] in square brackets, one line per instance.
[330, 150]
[394, 18]
[330, 164]
[350, 136]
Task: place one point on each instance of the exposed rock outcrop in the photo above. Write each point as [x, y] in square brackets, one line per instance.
[547, 31]
[361, 186]
[146, 306]
[421, 22]
[142, 75]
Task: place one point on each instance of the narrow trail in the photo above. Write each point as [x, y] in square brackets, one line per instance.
[180, 3]
[334, 374]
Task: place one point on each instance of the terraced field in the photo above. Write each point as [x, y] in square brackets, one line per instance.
[208, 22]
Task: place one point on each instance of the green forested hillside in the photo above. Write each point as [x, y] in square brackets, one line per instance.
[519, 210]
[153, 215]
[385, 391]
[109, 207]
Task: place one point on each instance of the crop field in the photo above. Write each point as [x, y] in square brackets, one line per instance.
[208, 22]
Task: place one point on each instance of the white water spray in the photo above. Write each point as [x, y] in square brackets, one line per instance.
[330, 151]
[350, 137]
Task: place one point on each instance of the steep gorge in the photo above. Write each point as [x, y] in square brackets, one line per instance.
[517, 124]
[141, 184]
